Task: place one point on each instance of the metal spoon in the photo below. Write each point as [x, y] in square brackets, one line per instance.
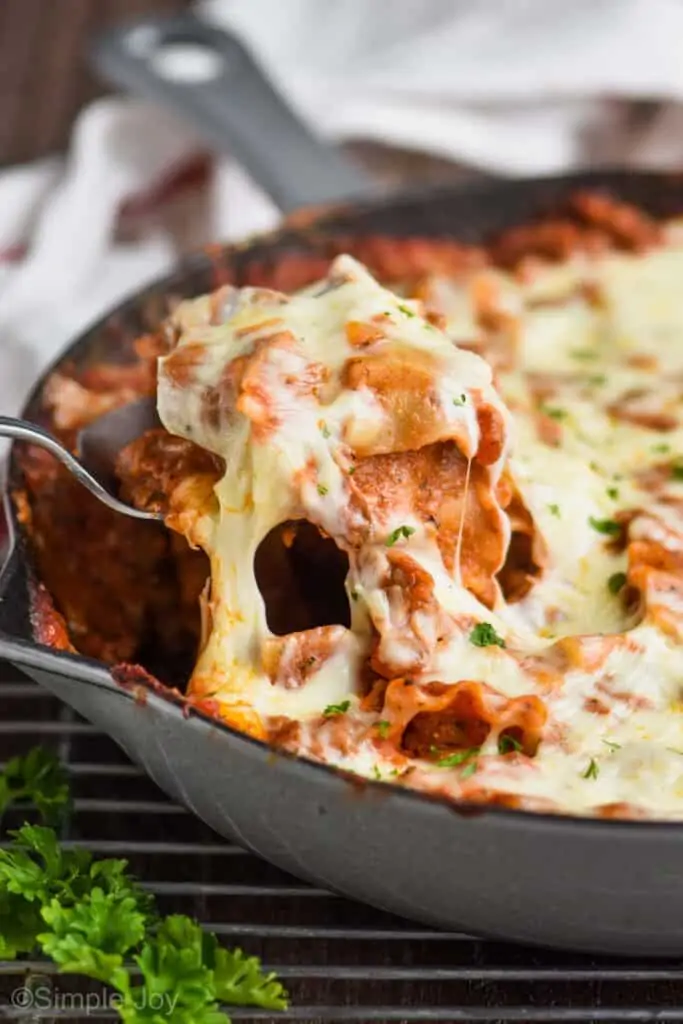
[97, 445]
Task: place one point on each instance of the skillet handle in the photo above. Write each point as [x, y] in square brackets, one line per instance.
[221, 90]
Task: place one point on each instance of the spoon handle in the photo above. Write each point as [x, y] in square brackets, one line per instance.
[22, 430]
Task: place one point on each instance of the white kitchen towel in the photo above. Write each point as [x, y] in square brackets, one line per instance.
[508, 86]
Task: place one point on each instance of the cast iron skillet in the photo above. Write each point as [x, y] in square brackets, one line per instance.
[603, 886]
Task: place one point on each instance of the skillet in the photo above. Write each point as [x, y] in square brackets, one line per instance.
[583, 884]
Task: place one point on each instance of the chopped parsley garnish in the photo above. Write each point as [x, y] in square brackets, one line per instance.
[597, 379]
[354, 595]
[592, 771]
[607, 526]
[594, 466]
[406, 310]
[324, 429]
[337, 709]
[616, 582]
[460, 401]
[554, 510]
[677, 472]
[400, 531]
[613, 493]
[377, 773]
[661, 449]
[458, 758]
[584, 353]
[469, 770]
[484, 635]
[352, 470]
[322, 490]
[508, 744]
[612, 746]
[555, 413]
[383, 728]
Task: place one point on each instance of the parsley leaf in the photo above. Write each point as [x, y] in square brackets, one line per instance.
[508, 744]
[324, 429]
[606, 526]
[555, 413]
[383, 728]
[677, 472]
[554, 510]
[469, 770]
[406, 310]
[484, 635]
[460, 401]
[400, 531]
[322, 490]
[661, 449]
[612, 746]
[38, 778]
[597, 379]
[592, 771]
[458, 758]
[616, 582]
[585, 354]
[613, 493]
[337, 709]
[92, 918]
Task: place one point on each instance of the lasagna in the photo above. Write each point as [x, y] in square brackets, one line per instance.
[435, 533]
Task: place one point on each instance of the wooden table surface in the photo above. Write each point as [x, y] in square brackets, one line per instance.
[44, 77]
[45, 81]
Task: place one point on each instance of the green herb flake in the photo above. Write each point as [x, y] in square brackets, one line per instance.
[469, 770]
[584, 354]
[484, 635]
[606, 526]
[458, 758]
[592, 771]
[661, 449]
[406, 310]
[611, 745]
[354, 595]
[322, 490]
[337, 709]
[352, 470]
[383, 728]
[460, 401]
[677, 472]
[377, 773]
[325, 430]
[616, 582]
[508, 744]
[555, 413]
[395, 535]
[554, 510]
[613, 493]
[597, 379]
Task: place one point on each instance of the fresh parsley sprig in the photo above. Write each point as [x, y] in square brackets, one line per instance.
[92, 918]
[37, 778]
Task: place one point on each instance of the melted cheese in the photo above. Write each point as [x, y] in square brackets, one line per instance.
[597, 360]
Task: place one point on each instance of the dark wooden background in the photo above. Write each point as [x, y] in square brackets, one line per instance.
[45, 81]
[44, 77]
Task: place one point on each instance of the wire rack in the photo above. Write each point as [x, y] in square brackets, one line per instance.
[340, 961]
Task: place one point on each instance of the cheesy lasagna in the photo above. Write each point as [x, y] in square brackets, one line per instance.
[444, 522]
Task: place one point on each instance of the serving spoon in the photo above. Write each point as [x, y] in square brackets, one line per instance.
[97, 446]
